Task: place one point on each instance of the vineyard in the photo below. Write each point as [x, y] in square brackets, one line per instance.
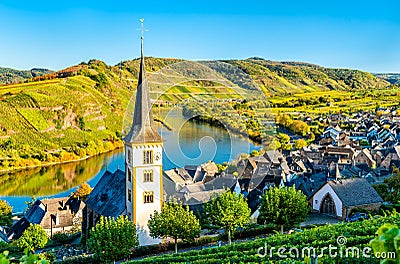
[345, 239]
[80, 111]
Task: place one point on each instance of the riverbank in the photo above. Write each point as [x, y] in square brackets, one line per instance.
[48, 164]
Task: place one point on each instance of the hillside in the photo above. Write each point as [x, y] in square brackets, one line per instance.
[287, 78]
[78, 112]
[9, 76]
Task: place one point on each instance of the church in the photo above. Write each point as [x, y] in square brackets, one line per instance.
[138, 191]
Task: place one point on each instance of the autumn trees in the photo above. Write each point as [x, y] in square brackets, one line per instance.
[5, 214]
[82, 192]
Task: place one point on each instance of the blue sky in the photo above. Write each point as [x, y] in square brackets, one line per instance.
[56, 34]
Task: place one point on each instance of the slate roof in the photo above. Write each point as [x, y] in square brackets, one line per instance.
[18, 228]
[3, 236]
[273, 156]
[355, 191]
[196, 198]
[34, 215]
[143, 129]
[174, 176]
[221, 183]
[108, 196]
[36, 212]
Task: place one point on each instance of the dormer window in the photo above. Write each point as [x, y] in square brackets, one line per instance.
[104, 197]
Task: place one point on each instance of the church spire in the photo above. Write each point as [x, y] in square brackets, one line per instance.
[142, 130]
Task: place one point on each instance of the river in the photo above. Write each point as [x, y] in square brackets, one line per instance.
[188, 143]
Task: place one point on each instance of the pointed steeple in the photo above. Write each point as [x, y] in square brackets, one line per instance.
[142, 130]
[337, 172]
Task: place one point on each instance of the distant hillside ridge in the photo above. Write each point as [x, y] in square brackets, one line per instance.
[393, 78]
[286, 78]
[274, 78]
[9, 76]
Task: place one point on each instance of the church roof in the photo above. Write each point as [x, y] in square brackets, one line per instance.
[108, 196]
[356, 191]
[143, 129]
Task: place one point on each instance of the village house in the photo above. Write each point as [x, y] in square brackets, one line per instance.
[339, 198]
[392, 158]
[175, 179]
[197, 194]
[54, 215]
[365, 157]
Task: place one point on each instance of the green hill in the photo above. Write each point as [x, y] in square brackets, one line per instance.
[78, 111]
[285, 78]
[9, 76]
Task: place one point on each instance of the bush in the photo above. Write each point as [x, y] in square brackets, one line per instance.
[64, 238]
[34, 237]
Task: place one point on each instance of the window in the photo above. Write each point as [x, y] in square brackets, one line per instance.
[148, 197]
[129, 195]
[129, 156]
[148, 176]
[147, 157]
[129, 175]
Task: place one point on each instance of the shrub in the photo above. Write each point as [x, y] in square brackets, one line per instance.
[34, 237]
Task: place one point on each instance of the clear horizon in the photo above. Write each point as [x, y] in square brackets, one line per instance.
[357, 35]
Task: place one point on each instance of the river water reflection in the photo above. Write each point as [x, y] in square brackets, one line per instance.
[192, 144]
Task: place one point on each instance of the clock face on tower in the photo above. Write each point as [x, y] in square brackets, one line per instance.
[157, 155]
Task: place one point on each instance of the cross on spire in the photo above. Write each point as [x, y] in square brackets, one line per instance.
[142, 26]
[143, 129]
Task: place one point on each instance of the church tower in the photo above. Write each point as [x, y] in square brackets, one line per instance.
[143, 161]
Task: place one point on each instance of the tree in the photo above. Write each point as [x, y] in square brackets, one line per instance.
[112, 239]
[228, 210]
[83, 191]
[393, 184]
[34, 237]
[283, 206]
[271, 143]
[299, 127]
[5, 214]
[254, 153]
[383, 190]
[283, 138]
[284, 120]
[287, 146]
[174, 221]
[300, 143]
